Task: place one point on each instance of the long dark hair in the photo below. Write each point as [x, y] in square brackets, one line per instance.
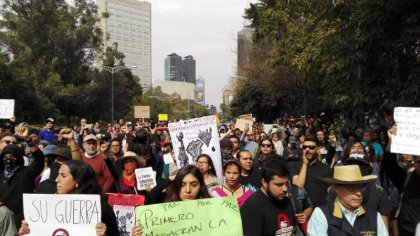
[172, 194]
[212, 170]
[85, 177]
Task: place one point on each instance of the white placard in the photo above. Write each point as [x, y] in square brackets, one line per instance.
[267, 128]
[125, 216]
[407, 139]
[193, 137]
[167, 158]
[7, 108]
[56, 214]
[145, 177]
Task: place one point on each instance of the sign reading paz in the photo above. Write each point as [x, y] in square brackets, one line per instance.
[407, 139]
[7, 108]
[210, 217]
[141, 112]
[62, 214]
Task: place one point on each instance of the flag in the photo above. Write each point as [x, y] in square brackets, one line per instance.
[217, 119]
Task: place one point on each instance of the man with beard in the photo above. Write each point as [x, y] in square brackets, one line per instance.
[308, 172]
[269, 211]
[95, 159]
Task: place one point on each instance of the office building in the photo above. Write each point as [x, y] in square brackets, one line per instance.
[173, 67]
[129, 25]
[188, 69]
[244, 49]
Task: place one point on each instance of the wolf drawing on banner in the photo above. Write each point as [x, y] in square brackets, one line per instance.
[182, 157]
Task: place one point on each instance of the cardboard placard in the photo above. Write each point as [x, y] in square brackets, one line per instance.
[62, 214]
[210, 217]
[241, 124]
[142, 112]
[407, 139]
[246, 117]
[7, 108]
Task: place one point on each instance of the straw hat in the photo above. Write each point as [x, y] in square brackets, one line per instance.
[349, 174]
[141, 162]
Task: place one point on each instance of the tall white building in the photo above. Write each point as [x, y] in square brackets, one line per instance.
[129, 25]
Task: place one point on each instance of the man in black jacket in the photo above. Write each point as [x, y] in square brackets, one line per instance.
[408, 185]
[16, 179]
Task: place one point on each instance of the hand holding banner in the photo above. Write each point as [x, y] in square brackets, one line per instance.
[62, 214]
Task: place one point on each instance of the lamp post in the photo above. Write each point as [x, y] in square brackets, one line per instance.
[112, 70]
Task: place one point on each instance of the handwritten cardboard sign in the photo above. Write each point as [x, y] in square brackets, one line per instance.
[246, 117]
[125, 199]
[7, 108]
[141, 111]
[62, 214]
[407, 139]
[145, 177]
[242, 124]
[210, 217]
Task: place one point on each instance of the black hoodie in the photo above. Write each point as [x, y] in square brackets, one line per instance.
[23, 181]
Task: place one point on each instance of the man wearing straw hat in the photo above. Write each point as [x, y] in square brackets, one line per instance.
[346, 216]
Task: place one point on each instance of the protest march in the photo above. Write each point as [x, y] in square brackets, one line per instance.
[296, 176]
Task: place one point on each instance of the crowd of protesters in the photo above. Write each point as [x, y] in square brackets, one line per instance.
[300, 177]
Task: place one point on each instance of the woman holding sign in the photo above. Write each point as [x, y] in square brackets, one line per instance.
[188, 184]
[232, 187]
[129, 163]
[77, 177]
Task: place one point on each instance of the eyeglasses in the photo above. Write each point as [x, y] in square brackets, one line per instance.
[8, 142]
[266, 145]
[308, 146]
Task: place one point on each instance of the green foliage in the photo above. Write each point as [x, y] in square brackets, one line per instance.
[356, 56]
[48, 48]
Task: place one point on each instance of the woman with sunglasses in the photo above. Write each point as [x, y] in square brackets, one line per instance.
[232, 187]
[266, 149]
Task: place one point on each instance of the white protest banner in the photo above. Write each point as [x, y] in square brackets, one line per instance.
[62, 214]
[407, 139]
[125, 216]
[7, 108]
[167, 158]
[193, 137]
[267, 128]
[145, 177]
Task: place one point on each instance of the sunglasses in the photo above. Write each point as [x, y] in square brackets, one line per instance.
[266, 145]
[9, 142]
[307, 146]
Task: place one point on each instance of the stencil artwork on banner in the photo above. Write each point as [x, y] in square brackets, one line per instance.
[205, 136]
[194, 149]
[182, 157]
